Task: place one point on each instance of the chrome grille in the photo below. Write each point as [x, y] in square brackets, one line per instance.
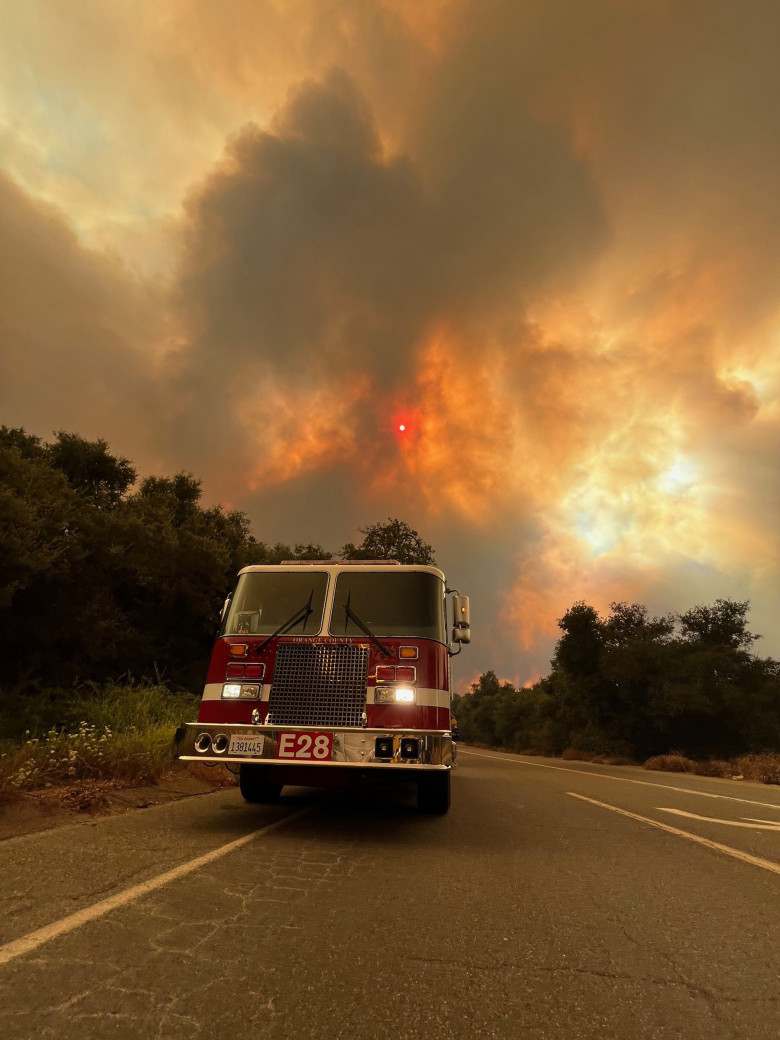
[316, 685]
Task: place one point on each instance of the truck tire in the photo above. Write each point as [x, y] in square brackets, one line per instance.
[433, 793]
[256, 787]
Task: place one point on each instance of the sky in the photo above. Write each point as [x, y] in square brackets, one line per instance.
[252, 239]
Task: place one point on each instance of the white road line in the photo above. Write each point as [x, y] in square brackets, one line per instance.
[623, 779]
[756, 825]
[745, 857]
[33, 940]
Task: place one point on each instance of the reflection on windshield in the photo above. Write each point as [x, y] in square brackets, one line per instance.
[390, 604]
[264, 601]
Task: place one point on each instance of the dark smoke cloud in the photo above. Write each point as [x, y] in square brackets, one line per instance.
[313, 258]
[78, 334]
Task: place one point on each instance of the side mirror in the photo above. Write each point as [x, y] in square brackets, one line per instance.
[461, 619]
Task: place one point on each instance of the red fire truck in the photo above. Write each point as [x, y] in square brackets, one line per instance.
[327, 672]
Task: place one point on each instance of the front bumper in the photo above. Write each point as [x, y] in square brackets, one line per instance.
[351, 747]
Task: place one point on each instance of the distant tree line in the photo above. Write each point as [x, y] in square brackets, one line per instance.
[634, 685]
[103, 575]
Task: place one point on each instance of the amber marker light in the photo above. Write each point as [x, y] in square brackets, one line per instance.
[409, 653]
[238, 649]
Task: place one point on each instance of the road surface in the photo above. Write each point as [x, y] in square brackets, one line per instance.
[555, 900]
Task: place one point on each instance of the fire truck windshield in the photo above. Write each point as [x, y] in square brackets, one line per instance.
[399, 604]
[264, 601]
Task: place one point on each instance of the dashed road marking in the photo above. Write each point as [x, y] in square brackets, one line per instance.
[622, 779]
[744, 857]
[33, 940]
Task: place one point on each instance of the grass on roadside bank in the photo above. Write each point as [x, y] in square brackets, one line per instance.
[116, 732]
[761, 767]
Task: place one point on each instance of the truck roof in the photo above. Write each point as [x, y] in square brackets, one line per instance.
[337, 566]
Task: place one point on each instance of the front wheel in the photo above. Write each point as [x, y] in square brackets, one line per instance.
[255, 785]
[433, 793]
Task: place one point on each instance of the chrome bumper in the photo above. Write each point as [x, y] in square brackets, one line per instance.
[351, 747]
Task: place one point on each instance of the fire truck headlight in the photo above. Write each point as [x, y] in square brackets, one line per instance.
[231, 690]
[404, 694]
[250, 693]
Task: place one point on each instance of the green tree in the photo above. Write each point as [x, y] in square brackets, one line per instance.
[394, 540]
[90, 469]
[99, 581]
[724, 625]
[578, 651]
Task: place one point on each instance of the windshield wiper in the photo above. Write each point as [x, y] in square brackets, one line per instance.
[298, 616]
[349, 613]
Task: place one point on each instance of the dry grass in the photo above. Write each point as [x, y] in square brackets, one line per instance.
[761, 768]
[575, 755]
[673, 762]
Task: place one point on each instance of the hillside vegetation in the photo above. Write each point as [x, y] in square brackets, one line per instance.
[634, 686]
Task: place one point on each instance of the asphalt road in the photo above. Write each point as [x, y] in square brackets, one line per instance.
[535, 909]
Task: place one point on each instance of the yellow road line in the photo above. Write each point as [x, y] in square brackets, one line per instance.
[745, 857]
[33, 940]
[622, 779]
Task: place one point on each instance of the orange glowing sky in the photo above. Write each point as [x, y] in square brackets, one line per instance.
[254, 239]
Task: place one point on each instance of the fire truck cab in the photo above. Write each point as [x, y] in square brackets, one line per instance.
[328, 672]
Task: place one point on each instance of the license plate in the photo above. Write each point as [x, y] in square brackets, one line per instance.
[251, 747]
[305, 746]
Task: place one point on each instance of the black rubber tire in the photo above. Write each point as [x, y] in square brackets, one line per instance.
[256, 787]
[433, 793]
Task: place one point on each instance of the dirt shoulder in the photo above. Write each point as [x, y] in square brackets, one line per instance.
[24, 812]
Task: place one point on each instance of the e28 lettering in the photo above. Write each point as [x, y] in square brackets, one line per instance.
[309, 746]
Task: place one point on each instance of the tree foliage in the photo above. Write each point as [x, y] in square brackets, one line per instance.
[635, 685]
[394, 540]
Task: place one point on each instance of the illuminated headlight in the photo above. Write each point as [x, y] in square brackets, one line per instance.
[244, 691]
[394, 695]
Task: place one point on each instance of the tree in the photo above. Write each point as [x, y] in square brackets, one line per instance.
[91, 470]
[579, 648]
[724, 624]
[394, 540]
[97, 582]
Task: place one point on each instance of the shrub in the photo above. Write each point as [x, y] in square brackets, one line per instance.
[761, 768]
[114, 732]
[88, 753]
[673, 762]
[714, 767]
[575, 755]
